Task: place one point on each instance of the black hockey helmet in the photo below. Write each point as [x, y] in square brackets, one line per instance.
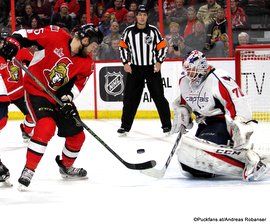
[90, 31]
[142, 8]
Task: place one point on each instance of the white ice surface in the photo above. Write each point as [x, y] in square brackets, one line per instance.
[114, 194]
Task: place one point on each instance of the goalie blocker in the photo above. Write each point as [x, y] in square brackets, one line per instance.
[202, 158]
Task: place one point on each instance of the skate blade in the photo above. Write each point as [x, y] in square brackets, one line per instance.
[67, 177]
[22, 188]
[122, 134]
[6, 183]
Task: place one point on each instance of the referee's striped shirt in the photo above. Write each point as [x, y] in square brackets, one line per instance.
[142, 47]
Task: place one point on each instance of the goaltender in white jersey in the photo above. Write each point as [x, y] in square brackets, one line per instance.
[221, 145]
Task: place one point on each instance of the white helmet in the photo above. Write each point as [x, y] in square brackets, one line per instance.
[195, 65]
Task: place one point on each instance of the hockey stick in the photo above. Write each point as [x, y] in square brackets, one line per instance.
[160, 173]
[136, 166]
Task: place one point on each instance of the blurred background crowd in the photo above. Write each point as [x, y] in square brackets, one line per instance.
[188, 24]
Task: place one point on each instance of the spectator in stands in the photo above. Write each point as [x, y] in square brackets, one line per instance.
[117, 12]
[36, 22]
[168, 6]
[239, 17]
[114, 34]
[191, 20]
[73, 9]
[129, 20]
[243, 38]
[173, 34]
[110, 52]
[177, 48]
[44, 10]
[178, 14]
[4, 10]
[153, 15]
[27, 17]
[196, 40]
[133, 6]
[217, 39]
[19, 8]
[63, 18]
[100, 11]
[105, 24]
[93, 17]
[208, 12]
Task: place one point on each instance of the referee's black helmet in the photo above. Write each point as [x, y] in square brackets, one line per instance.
[142, 8]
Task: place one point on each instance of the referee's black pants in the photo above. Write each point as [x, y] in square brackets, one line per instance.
[133, 92]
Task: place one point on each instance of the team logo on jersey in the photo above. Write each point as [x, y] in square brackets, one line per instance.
[57, 76]
[114, 84]
[14, 72]
[148, 40]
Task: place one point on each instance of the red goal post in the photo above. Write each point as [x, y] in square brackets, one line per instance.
[252, 73]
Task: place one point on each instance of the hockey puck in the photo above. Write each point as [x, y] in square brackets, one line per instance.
[140, 151]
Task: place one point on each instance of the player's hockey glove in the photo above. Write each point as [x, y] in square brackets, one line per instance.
[241, 132]
[10, 48]
[68, 109]
[182, 116]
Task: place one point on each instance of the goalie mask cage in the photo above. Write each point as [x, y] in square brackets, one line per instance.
[252, 63]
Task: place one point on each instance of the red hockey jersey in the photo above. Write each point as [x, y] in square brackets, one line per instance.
[12, 74]
[54, 66]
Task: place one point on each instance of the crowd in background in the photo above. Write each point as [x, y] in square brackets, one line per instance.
[188, 24]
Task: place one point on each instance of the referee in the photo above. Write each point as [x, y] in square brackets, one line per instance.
[142, 50]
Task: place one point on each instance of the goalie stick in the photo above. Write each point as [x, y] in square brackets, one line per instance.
[135, 166]
[160, 173]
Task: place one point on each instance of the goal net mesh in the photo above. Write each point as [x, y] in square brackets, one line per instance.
[253, 75]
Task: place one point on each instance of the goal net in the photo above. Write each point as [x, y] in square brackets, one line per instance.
[252, 64]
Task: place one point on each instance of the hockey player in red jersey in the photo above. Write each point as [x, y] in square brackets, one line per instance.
[4, 102]
[223, 116]
[13, 78]
[63, 64]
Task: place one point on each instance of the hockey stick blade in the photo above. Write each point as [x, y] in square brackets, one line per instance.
[139, 166]
[160, 173]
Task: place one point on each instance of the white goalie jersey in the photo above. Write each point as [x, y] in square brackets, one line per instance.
[217, 95]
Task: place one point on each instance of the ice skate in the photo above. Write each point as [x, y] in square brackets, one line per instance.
[166, 131]
[255, 169]
[26, 137]
[4, 175]
[70, 172]
[25, 179]
[122, 132]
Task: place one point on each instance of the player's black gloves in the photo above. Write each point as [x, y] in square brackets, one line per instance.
[68, 109]
[10, 48]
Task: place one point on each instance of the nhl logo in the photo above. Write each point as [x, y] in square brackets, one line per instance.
[114, 84]
[148, 40]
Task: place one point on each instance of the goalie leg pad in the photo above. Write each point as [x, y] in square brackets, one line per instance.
[211, 158]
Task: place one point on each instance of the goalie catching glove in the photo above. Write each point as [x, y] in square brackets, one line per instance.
[68, 108]
[182, 116]
[241, 132]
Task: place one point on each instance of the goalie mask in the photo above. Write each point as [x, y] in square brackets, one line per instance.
[195, 66]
